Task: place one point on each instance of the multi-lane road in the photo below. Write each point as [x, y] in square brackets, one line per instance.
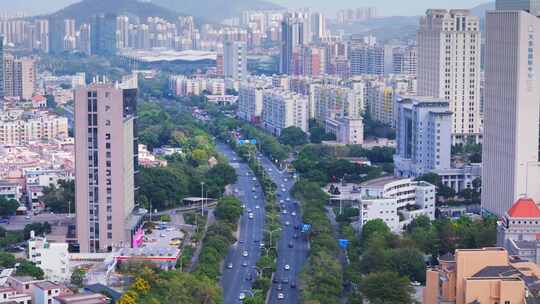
[240, 270]
[293, 246]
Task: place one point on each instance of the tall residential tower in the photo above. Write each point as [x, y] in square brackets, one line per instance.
[511, 106]
[105, 163]
[449, 67]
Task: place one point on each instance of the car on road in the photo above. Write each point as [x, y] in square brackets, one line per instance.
[235, 190]
[249, 210]
[279, 287]
[244, 206]
[270, 169]
[283, 190]
[287, 199]
[275, 279]
[287, 267]
[250, 216]
[293, 284]
[280, 296]
[245, 253]
[293, 213]
[245, 264]
[287, 223]
[255, 197]
[27, 217]
[281, 201]
[254, 179]
[291, 244]
[284, 211]
[282, 185]
[295, 236]
[296, 227]
[229, 266]
[285, 280]
[253, 189]
[241, 296]
[257, 207]
[416, 283]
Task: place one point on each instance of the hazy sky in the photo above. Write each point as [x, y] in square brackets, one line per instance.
[385, 7]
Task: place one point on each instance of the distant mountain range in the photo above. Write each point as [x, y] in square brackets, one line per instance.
[215, 10]
[84, 10]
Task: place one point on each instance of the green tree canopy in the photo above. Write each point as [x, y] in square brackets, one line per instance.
[386, 288]
[8, 207]
[293, 136]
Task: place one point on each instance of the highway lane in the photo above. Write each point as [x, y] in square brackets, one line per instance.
[296, 255]
[235, 280]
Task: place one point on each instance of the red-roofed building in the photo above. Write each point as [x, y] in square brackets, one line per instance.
[524, 208]
[39, 101]
[519, 230]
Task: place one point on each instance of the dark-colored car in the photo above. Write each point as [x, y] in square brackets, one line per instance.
[275, 280]
[291, 244]
[293, 284]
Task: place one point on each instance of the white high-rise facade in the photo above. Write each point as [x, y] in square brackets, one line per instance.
[449, 66]
[283, 109]
[234, 60]
[511, 108]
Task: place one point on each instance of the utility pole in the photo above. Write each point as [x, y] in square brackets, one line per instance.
[202, 198]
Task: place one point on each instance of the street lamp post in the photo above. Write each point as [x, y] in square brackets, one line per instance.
[202, 199]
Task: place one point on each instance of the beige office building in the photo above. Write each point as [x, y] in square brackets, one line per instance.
[449, 66]
[105, 161]
[512, 107]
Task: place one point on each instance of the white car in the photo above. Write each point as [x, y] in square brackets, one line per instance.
[287, 223]
[229, 266]
[242, 296]
[282, 201]
[280, 296]
[254, 179]
[250, 216]
[257, 207]
[287, 267]
[285, 180]
[235, 190]
[247, 173]
[287, 199]
[245, 253]
[284, 211]
[283, 189]
[293, 213]
[255, 197]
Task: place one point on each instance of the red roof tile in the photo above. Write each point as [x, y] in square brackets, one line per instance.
[524, 207]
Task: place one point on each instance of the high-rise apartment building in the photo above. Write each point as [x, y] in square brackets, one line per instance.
[1, 66]
[103, 34]
[234, 60]
[70, 36]
[250, 102]
[404, 61]
[283, 109]
[19, 77]
[511, 106]
[449, 66]
[293, 36]
[84, 39]
[318, 26]
[105, 165]
[41, 36]
[122, 39]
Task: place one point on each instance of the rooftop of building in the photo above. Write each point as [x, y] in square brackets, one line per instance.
[381, 181]
[82, 298]
[47, 285]
[167, 55]
[524, 208]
